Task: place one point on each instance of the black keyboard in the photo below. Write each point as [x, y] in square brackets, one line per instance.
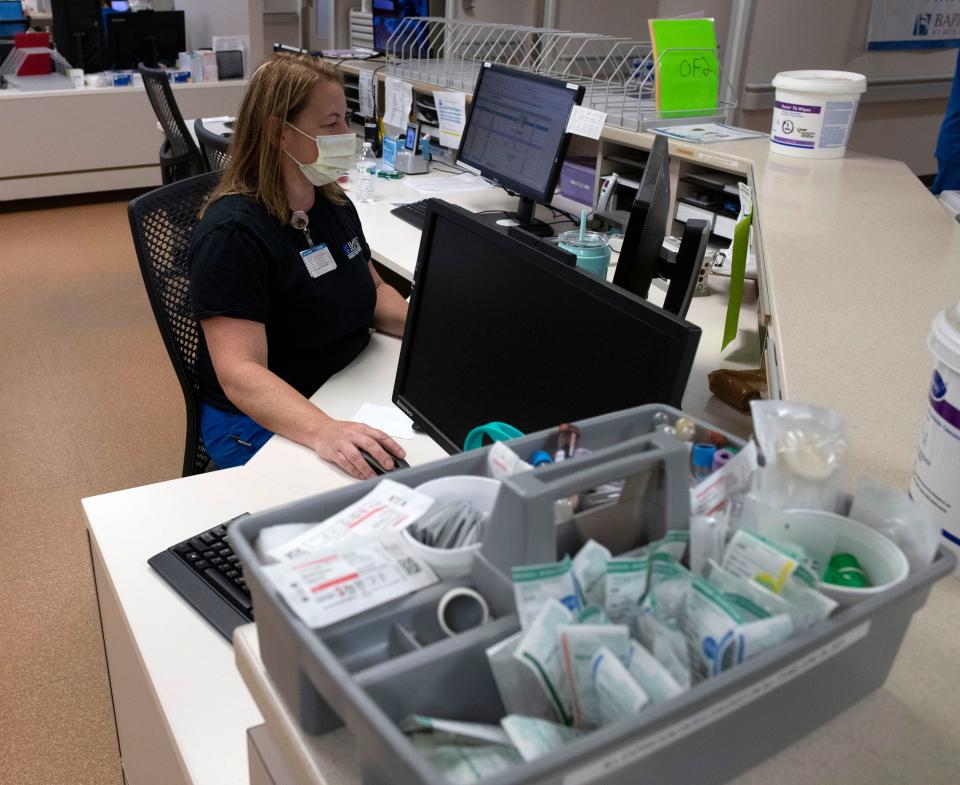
[205, 571]
[414, 213]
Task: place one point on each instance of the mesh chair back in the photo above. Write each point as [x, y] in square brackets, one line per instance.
[216, 148]
[162, 223]
[179, 156]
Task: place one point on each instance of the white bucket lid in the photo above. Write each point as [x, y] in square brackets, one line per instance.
[831, 82]
[944, 339]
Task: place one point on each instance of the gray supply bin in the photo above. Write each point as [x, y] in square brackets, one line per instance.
[374, 669]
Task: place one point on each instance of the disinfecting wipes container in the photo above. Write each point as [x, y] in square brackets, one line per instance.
[813, 112]
[934, 484]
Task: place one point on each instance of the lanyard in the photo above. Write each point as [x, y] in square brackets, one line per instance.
[300, 220]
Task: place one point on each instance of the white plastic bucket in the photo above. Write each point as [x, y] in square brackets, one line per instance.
[813, 112]
[482, 493]
[822, 534]
[936, 475]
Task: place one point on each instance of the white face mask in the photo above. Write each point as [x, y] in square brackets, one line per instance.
[336, 155]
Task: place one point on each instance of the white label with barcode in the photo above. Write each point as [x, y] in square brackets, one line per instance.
[629, 754]
[329, 585]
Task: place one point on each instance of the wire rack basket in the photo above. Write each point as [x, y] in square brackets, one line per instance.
[618, 74]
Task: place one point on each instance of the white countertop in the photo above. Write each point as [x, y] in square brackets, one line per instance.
[184, 658]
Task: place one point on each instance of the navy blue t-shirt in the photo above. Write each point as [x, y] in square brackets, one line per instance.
[247, 265]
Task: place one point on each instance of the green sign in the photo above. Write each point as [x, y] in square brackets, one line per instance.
[687, 68]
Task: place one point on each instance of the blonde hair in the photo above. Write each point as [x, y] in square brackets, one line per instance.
[279, 90]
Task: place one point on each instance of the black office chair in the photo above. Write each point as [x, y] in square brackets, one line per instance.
[215, 148]
[179, 155]
[162, 223]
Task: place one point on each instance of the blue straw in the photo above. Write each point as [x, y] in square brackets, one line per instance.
[583, 224]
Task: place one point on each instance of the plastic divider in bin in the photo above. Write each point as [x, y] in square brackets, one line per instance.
[400, 628]
[529, 497]
[440, 682]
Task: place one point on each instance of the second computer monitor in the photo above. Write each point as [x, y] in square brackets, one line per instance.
[643, 239]
[516, 132]
[151, 37]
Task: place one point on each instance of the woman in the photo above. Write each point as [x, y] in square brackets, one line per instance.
[281, 280]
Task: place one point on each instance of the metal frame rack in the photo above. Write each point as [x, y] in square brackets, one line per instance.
[618, 73]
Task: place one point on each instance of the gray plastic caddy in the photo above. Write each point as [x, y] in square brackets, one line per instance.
[374, 669]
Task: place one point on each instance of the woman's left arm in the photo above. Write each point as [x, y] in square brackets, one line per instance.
[390, 312]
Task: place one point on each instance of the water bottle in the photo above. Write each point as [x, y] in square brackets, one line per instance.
[366, 173]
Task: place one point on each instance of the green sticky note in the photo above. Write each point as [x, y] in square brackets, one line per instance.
[738, 269]
[687, 68]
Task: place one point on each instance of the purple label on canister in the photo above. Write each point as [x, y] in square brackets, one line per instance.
[948, 413]
[792, 142]
[803, 108]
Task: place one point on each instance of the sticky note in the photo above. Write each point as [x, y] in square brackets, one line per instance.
[586, 122]
[687, 68]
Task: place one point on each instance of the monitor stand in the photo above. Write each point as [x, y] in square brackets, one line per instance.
[524, 219]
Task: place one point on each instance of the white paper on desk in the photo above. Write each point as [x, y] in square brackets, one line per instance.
[398, 100]
[366, 93]
[445, 183]
[586, 122]
[707, 133]
[451, 115]
[388, 419]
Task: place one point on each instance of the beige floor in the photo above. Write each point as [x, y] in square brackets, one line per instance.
[88, 404]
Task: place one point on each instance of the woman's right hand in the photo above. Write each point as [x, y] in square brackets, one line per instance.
[340, 442]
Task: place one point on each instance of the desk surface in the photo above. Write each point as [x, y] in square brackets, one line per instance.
[182, 655]
[858, 258]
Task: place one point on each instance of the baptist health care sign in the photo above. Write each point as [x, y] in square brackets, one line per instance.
[914, 24]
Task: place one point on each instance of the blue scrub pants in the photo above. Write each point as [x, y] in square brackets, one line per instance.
[230, 439]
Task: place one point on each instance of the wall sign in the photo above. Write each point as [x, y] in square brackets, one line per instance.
[914, 24]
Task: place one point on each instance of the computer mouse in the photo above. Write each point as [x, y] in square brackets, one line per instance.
[373, 463]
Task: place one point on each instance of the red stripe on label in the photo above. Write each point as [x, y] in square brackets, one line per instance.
[334, 582]
[362, 518]
[324, 560]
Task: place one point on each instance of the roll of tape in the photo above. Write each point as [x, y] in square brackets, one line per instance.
[462, 609]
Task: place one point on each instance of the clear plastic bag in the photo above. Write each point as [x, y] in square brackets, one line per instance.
[896, 516]
[805, 455]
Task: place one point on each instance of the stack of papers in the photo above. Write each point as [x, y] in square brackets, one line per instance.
[445, 184]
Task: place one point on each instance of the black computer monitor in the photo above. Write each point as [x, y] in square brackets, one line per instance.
[153, 38]
[77, 30]
[498, 330]
[387, 16]
[516, 134]
[643, 239]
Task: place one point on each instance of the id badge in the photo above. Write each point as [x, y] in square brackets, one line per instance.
[318, 260]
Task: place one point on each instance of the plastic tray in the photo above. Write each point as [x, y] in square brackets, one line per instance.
[372, 670]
